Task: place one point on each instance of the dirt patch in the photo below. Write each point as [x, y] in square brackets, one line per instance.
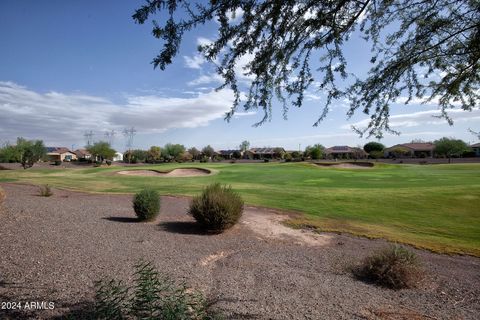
[270, 225]
[347, 165]
[186, 172]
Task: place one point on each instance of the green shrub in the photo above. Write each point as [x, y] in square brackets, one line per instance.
[151, 296]
[393, 267]
[146, 204]
[108, 162]
[45, 191]
[217, 208]
[58, 162]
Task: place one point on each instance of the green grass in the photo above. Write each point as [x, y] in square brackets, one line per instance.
[436, 207]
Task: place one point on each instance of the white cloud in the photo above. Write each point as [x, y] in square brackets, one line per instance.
[194, 62]
[422, 118]
[206, 79]
[57, 117]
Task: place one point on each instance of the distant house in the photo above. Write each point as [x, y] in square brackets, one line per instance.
[345, 152]
[83, 154]
[118, 156]
[410, 150]
[228, 154]
[266, 153]
[60, 154]
[476, 148]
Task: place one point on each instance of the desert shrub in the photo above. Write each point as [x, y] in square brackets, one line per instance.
[108, 162]
[217, 208]
[146, 204]
[45, 191]
[151, 296]
[58, 162]
[393, 267]
[266, 160]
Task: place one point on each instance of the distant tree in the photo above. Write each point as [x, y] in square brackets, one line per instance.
[101, 150]
[399, 152]
[30, 151]
[314, 152]
[186, 156]
[296, 154]
[278, 153]
[9, 153]
[173, 151]
[376, 154]
[154, 154]
[208, 151]
[373, 146]
[195, 153]
[244, 146]
[450, 147]
[236, 154]
[419, 49]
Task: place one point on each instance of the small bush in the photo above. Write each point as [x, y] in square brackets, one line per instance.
[393, 267]
[217, 208]
[146, 204]
[151, 296]
[58, 162]
[108, 162]
[45, 191]
[266, 160]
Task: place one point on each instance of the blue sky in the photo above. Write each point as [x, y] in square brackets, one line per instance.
[68, 67]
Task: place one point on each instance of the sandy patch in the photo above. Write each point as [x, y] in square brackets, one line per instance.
[211, 259]
[270, 225]
[190, 172]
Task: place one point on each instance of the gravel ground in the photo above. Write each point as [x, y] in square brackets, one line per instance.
[53, 249]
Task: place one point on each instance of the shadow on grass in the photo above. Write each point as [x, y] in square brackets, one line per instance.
[182, 227]
[122, 219]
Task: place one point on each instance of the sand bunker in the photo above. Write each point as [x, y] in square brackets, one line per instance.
[347, 165]
[187, 172]
[270, 225]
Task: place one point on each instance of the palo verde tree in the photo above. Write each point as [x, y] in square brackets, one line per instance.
[26, 152]
[427, 50]
[450, 147]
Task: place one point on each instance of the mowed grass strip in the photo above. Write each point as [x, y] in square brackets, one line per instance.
[436, 207]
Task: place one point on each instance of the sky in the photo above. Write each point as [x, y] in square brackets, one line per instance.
[70, 67]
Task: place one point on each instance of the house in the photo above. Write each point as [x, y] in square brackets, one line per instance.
[60, 154]
[267, 153]
[229, 154]
[476, 148]
[345, 152]
[83, 154]
[118, 156]
[410, 150]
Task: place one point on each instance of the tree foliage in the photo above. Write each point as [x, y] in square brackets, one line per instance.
[173, 151]
[373, 146]
[26, 152]
[427, 50]
[450, 147]
[208, 151]
[315, 152]
[101, 150]
[154, 154]
[244, 146]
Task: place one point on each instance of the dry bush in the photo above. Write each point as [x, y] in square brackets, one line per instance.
[393, 267]
[45, 191]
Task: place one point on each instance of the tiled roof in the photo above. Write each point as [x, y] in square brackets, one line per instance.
[57, 150]
[416, 146]
[476, 145]
[265, 150]
[343, 149]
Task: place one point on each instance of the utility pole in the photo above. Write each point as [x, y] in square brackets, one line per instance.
[89, 137]
[129, 134]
